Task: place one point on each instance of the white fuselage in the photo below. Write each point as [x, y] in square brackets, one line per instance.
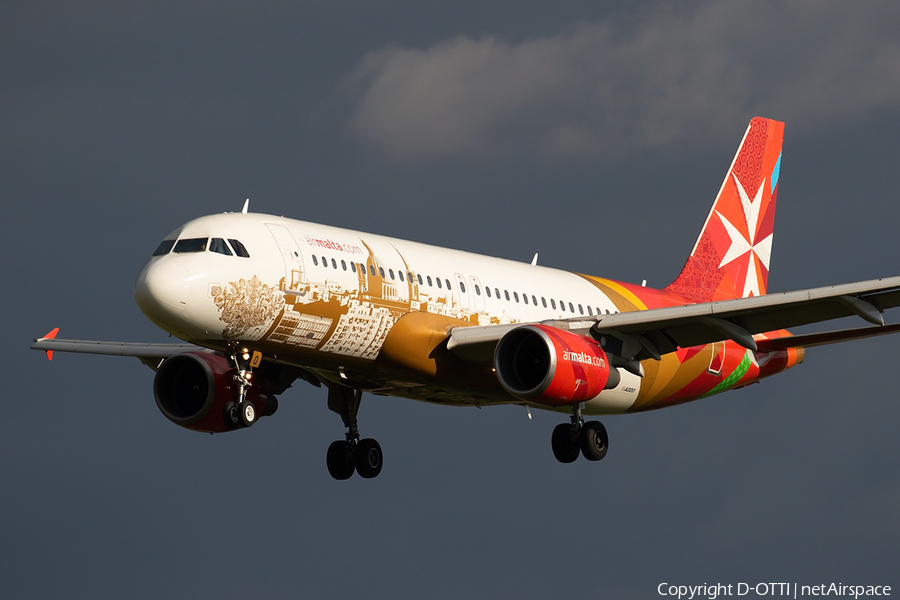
[337, 293]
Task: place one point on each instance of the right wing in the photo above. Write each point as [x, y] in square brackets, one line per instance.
[151, 355]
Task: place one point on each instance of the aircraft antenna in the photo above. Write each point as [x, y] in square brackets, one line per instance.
[246, 206]
[534, 260]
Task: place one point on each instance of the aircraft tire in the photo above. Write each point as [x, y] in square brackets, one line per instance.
[339, 460]
[248, 413]
[594, 440]
[565, 443]
[230, 415]
[369, 458]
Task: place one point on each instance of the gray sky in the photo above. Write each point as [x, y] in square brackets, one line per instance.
[594, 133]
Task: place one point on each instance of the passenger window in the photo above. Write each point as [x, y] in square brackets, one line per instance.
[333, 264]
[516, 296]
[580, 310]
[497, 293]
[462, 287]
[324, 262]
[438, 279]
[447, 281]
[400, 274]
[191, 245]
[372, 270]
[553, 303]
[562, 306]
[487, 291]
[571, 308]
[164, 247]
[506, 293]
[315, 261]
[391, 272]
[590, 312]
[238, 248]
[477, 290]
[429, 280]
[544, 301]
[525, 298]
[353, 267]
[343, 265]
[533, 300]
[419, 278]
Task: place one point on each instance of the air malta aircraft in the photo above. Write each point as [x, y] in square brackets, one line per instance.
[263, 301]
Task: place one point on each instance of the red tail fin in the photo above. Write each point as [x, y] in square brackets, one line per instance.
[731, 256]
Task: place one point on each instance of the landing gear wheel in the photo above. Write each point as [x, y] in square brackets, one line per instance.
[565, 443]
[248, 413]
[340, 460]
[231, 415]
[368, 458]
[594, 440]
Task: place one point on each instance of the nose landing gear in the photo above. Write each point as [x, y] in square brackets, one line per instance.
[571, 439]
[243, 412]
[363, 456]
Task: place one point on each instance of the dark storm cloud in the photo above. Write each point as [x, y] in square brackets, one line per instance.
[665, 75]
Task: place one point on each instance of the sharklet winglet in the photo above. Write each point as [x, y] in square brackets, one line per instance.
[50, 336]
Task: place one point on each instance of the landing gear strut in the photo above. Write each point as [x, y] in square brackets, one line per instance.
[352, 454]
[571, 439]
[242, 412]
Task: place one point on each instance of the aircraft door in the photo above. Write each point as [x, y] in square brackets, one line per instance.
[290, 252]
[463, 290]
[477, 291]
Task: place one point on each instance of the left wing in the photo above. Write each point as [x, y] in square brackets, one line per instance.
[651, 333]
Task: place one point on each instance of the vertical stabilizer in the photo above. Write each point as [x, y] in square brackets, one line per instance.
[731, 256]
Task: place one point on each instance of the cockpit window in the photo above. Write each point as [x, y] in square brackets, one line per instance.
[191, 245]
[164, 247]
[239, 248]
[219, 246]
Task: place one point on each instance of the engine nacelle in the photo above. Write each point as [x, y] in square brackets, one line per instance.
[192, 389]
[546, 365]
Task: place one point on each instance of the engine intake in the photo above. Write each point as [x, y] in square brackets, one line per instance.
[192, 389]
[550, 366]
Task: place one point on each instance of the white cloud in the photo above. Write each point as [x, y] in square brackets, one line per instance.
[667, 76]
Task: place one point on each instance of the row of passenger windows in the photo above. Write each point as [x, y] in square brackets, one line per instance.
[563, 305]
[217, 245]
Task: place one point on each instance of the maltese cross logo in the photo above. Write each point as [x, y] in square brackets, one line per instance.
[747, 245]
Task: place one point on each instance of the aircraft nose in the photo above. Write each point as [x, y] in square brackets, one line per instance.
[161, 291]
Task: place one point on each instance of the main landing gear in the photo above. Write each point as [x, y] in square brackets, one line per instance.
[570, 440]
[353, 454]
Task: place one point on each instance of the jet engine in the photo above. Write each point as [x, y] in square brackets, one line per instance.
[194, 390]
[546, 365]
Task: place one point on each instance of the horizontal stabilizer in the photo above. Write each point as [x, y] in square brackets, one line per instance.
[824, 338]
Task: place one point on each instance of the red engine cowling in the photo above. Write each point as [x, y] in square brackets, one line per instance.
[192, 389]
[550, 366]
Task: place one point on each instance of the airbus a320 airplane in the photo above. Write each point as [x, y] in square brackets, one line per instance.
[263, 301]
